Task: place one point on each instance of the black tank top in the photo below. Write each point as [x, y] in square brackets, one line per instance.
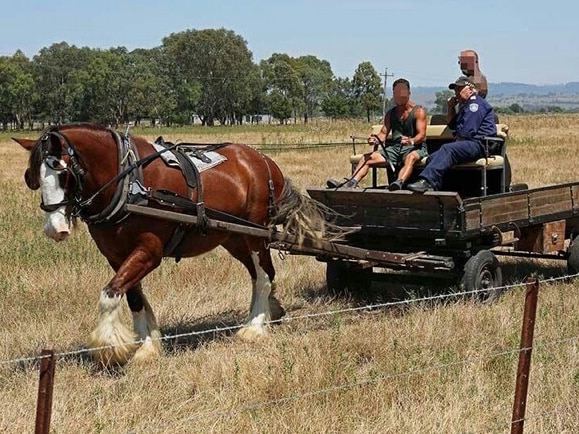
[406, 127]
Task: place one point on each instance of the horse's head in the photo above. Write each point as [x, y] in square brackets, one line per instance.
[53, 169]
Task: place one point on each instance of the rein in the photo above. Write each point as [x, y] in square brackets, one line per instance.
[122, 174]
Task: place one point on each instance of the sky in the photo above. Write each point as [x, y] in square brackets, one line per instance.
[524, 41]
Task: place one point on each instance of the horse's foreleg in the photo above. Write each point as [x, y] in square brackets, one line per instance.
[113, 343]
[260, 312]
[144, 325]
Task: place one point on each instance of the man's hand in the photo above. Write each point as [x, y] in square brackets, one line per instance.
[404, 140]
[374, 140]
[452, 102]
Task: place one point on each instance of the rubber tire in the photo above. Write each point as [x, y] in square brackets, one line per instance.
[342, 279]
[573, 256]
[483, 271]
[336, 277]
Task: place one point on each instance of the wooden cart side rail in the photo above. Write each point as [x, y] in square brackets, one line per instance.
[434, 214]
[522, 208]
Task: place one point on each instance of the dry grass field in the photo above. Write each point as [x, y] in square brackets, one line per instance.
[446, 367]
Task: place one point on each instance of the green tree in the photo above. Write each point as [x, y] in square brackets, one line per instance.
[283, 85]
[280, 106]
[17, 90]
[516, 108]
[316, 78]
[152, 94]
[440, 101]
[367, 88]
[220, 62]
[54, 75]
[337, 102]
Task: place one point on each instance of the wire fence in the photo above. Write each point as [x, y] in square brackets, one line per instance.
[367, 307]
[374, 379]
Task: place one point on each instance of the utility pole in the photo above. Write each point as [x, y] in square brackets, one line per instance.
[385, 75]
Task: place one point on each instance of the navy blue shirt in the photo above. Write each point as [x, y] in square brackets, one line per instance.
[475, 120]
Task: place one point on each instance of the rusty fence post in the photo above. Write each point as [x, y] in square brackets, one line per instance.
[523, 370]
[45, 388]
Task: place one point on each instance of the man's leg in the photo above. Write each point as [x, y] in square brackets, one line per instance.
[368, 160]
[440, 161]
[409, 161]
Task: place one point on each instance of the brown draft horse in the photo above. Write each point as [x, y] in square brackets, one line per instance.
[89, 172]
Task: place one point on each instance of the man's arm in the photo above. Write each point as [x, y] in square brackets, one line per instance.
[420, 117]
[451, 104]
[381, 136]
[482, 85]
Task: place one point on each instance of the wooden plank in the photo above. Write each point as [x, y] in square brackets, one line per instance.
[504, 209]
[403, 198]
[575, 198]
[432, 211]
[401, 218]
[545, 238]
[472, 218]
[549, 201]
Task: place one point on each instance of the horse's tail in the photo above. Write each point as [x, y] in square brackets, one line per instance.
[304, 217]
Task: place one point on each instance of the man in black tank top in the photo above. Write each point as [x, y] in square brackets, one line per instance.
[407, 121]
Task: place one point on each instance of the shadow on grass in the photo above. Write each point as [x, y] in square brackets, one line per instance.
[388, 290]
[184, 335]
[187, 335]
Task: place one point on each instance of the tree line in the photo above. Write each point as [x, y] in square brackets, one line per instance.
[207, 73]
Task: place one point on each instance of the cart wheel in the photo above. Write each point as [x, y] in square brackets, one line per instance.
[483, 271]
[573, 256]
[359, 280]
[336, 277]
[342, 279]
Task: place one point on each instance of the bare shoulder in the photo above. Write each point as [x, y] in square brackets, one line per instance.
[419, 112]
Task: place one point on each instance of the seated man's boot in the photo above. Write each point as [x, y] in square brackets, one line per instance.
[396, 185]
[420, 186]
[332, 183]
[346, 183]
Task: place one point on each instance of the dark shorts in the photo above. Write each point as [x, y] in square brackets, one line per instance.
[397, 153]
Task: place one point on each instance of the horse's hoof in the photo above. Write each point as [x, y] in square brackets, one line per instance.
[149, 350]
[252, 332]
[115, 356]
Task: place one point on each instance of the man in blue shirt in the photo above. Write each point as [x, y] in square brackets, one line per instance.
[474, 121]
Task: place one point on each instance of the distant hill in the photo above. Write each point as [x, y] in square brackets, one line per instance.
[506, 93]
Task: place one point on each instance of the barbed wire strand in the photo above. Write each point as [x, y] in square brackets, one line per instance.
[348, 386]
[289, 319]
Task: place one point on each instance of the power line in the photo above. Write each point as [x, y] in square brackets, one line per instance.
[385, 75]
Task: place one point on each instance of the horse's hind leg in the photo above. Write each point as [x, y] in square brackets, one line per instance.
[144, 325]
[264, 305]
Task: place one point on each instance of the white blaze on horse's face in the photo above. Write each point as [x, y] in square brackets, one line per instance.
[56, 224]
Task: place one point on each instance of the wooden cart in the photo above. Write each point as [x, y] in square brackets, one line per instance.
[401, 235]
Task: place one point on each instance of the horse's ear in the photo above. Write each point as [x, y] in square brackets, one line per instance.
[32, 184]
[27, 144]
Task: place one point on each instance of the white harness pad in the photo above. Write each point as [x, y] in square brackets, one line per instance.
[171, 160]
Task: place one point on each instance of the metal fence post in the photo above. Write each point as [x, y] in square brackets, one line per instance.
[526, 347]
[45, 388]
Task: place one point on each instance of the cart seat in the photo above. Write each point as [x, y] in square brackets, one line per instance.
[437, 135]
